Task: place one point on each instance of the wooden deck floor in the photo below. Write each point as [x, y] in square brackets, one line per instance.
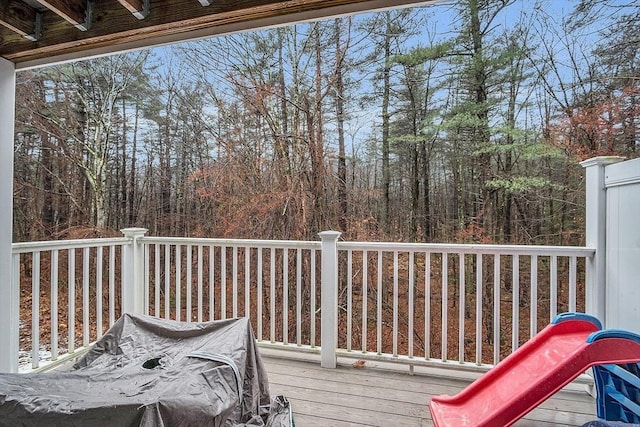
[371, 396]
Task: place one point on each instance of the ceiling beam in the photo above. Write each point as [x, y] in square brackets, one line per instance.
[21, 18]
[115, 29]
[76, 12]
[139, 8]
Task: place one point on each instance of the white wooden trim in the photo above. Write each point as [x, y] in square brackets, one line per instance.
[8, 289]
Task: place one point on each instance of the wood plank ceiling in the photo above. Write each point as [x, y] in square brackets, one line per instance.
[35, 32]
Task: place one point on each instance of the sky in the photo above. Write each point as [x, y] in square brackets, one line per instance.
[441, 18]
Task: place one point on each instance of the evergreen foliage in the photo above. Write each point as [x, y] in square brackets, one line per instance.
[385, 126]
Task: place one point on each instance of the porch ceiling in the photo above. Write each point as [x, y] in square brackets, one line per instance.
[36, 32]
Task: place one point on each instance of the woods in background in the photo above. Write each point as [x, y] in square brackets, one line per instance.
[463, 122]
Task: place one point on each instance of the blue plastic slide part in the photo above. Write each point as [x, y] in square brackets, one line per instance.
[625, 374]
[618, 392]
[614, 333]
[563, 317]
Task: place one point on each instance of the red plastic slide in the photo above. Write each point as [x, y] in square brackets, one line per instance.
[558, 354]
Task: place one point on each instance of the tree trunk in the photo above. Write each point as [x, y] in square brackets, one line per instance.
[131, 185]
[342, 158]
[386, 81]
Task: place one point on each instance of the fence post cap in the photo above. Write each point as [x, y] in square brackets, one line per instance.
[329, 235]
[601, 160]
[134, 231]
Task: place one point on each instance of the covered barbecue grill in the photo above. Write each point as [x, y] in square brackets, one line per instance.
[151, 372]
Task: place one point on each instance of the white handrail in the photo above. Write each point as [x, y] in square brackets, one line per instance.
[249, 243]
[469, 248]
[416, 303]
[29, 247]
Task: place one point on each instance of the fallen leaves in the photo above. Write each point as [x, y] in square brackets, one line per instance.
[358, 364]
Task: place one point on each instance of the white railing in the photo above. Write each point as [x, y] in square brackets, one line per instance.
[272, 282]
[466, 305]
[55, 325]
[444, 303]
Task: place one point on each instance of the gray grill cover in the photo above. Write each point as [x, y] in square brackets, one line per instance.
[149, 372]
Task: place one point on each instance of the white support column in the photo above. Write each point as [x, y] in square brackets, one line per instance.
[133, 295]
[9, 302]
[329, 300]
[595, 233]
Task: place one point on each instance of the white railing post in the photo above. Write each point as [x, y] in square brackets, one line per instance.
[133, 296]
[329, 300]
[595, 233]
[9, 299]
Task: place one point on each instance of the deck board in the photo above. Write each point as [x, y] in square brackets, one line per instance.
[371, 396]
